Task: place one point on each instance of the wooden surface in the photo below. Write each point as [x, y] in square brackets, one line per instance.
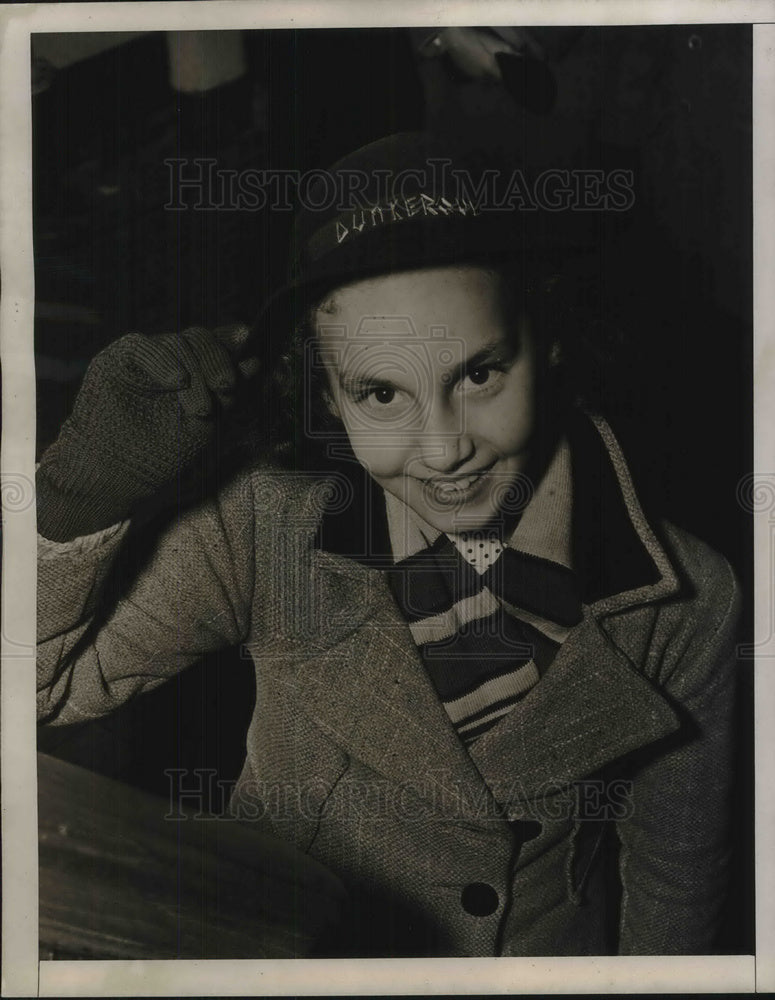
[117, 880]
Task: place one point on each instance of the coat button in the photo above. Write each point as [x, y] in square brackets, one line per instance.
[479, 899]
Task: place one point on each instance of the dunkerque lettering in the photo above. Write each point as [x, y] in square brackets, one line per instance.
[400, 209]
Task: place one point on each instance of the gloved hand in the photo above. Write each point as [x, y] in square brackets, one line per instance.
[147, 407]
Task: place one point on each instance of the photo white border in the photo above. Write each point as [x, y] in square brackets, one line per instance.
[23, 975]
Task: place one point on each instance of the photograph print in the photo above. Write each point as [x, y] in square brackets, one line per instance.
[394, 441]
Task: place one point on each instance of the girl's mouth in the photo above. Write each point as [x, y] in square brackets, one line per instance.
[454, 490]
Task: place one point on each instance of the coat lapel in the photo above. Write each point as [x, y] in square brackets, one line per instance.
[591, 708]
[369, 692]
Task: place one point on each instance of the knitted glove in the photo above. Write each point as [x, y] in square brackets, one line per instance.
[147, 407]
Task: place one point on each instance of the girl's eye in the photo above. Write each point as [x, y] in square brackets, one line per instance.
[479, 375]
[385, 403]
[483, 376]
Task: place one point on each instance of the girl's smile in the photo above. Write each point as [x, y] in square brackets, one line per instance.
[455, 489]
[433, 375]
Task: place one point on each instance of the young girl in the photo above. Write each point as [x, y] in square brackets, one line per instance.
[492, 696]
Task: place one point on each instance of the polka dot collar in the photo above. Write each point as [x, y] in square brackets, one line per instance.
[479, 548]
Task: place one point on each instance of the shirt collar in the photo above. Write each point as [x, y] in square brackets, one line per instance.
[409, 533]
[544, 530]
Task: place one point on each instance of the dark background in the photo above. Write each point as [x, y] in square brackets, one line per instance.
[671, 103]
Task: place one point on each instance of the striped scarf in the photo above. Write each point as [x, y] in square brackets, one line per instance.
[488, 614]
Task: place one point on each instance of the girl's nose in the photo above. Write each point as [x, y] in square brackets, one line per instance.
[444, 444]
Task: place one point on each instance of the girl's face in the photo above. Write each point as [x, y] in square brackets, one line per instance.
[434, 380]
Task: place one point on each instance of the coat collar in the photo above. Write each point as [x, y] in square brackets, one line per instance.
[619, 557]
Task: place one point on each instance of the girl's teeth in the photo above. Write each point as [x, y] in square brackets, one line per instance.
[459, 484]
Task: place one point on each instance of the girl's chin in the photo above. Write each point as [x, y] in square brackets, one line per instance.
[462, 522]
[458, 517]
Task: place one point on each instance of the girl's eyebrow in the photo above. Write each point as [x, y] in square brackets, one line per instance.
[358, 383]
[495, 350]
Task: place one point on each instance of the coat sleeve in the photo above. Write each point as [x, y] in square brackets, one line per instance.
[674, 858]
[191, 596]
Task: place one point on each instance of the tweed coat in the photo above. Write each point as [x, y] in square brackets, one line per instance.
[592, 819]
